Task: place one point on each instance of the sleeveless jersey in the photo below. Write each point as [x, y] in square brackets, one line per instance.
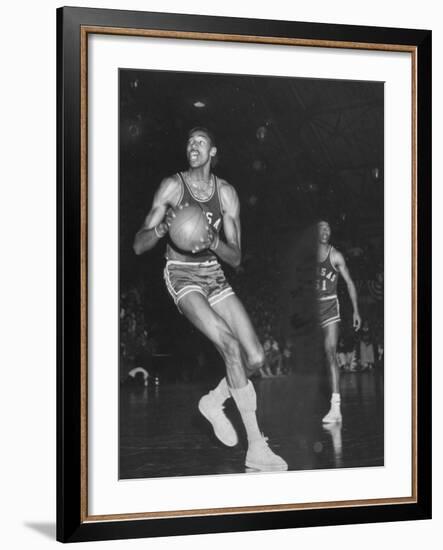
[213, 212]
[327, 278]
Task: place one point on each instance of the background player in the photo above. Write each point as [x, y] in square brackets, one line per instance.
[330, 263]
[199, 288]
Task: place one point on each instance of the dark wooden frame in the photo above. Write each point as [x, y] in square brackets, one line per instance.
[73, 521]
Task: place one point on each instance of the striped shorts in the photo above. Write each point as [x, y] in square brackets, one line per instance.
[207, 278]
[329, 310]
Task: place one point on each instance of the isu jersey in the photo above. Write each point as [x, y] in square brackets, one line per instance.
[213, 212]
[327, 278]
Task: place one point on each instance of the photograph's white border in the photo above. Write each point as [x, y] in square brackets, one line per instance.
[108, 495]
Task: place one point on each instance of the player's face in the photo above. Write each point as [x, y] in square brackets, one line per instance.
[199, 149]
[324, 232]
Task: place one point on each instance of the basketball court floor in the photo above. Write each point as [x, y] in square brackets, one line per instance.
[162, 434]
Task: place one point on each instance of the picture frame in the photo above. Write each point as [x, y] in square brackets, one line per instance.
[74, 521]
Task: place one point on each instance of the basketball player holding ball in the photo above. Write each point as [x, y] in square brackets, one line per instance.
[331, 264]
[198, 286]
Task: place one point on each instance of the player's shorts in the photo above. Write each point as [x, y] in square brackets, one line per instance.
[207, 278]
[329, 310]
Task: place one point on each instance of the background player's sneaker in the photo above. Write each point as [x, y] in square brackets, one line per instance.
[334, 415]
[261, 457]
[213, 411]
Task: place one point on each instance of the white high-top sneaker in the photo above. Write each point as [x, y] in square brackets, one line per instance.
[334, 414]
[213, 411]
[261, 457]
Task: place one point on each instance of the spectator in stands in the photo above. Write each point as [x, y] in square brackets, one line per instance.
[367, 355]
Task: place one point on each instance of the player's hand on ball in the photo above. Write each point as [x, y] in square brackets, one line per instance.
[163, 227]
[214, 238]
[170, 215]
[356, 321]
[169, 218]
[205, 243]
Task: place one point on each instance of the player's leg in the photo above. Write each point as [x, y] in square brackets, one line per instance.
[234, 314]
[259, 456]
[197, 310]
[187, 285]
[331, 333]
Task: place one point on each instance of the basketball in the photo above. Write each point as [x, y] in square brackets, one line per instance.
[188, 227]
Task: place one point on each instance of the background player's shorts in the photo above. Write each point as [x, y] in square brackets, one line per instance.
[207, 278]
[329, 311]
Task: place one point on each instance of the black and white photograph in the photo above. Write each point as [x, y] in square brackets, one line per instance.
[217, 275]
[251, 269]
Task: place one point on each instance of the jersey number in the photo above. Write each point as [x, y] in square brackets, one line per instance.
[209, 218]
[321, 285]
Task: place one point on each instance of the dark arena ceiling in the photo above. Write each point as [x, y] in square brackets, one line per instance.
[295, 149]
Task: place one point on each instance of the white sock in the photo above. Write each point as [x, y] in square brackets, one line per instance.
[335, 398]
[246, 401]
[221, 392]
[335, 402]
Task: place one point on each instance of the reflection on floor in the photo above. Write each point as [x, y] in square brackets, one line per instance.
[162, 433]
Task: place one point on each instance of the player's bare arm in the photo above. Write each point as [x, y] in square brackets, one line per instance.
[339, 263]
[229, 251]
[159, 218]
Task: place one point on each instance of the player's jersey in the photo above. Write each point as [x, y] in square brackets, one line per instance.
[327, 278]
[213, 212]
